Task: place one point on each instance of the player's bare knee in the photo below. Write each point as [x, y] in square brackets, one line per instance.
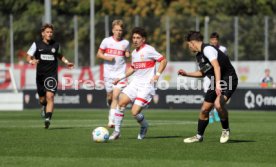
[204, 112]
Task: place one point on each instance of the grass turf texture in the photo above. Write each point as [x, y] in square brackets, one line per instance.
[24, 142]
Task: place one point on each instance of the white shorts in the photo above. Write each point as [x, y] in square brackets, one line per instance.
[108, 83]
[139, 94]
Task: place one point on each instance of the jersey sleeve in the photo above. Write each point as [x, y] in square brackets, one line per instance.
[103, 45]
[32, 49]
[210, 52]
[153, 54]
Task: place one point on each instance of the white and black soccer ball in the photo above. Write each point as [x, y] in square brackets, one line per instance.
[100, 135]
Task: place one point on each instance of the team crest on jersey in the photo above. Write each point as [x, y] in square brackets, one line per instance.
[53, 50]
[142, 57]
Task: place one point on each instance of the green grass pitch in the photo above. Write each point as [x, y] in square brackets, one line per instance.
[24, 142]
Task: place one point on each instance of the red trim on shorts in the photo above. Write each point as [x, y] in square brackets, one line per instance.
[143, 64]
[119, 115]
[142, 100]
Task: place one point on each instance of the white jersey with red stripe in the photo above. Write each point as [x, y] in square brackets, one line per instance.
[117, 49]
[143, 62]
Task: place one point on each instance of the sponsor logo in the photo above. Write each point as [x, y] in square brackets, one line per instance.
[47, 57]
[252, 100]
[186, 99]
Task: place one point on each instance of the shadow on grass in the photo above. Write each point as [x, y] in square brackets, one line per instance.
[161, 137]
[61, 128]
[241, 141]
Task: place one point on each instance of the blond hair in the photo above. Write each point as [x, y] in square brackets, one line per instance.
[119, 23]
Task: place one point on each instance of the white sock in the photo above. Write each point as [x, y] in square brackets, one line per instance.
[119, 115]
[141, 119]
[111, 115]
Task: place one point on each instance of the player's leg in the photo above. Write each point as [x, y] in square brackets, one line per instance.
[43, 102]
[113, 107]
[139, 116]
[220, 103]
[109, 88]
[42, 96]
[220, 107]
[119, 115]
[144, 97]
[50, 108]
[203, 122]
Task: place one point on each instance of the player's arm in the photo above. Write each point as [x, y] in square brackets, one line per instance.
[195, 74]
[101, 55]
[64, 60]
[216, 67]
[161, 68]
[67, 62]
[30, 55]
[128, 73]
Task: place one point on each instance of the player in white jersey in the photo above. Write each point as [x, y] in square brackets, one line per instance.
[114, 50]
[214, 40]
[141, 88]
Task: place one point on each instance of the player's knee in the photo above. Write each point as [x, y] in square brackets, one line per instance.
[204, 112]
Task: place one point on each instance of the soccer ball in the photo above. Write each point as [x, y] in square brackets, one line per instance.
[100, 135]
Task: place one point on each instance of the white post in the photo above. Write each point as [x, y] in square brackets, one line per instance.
[206, 26]
[106, 25]
[168, 47]
[47, 11]
[236, 39]
[92, 33]
[76, 42]
[136, 21]
[11, 43]
[197, 23]
[266, 42]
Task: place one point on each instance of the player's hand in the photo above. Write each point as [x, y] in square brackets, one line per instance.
[70, 65]
[154, 79]
[218, 89]
[116, 81]
[127, 54]
[34, 61]
[181, 72]
[112, 58]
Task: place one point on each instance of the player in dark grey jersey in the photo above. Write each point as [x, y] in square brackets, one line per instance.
[44, 54]
[214, 64]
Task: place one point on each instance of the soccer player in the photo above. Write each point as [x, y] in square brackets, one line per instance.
[141, 88]
[114, 50]
[45, 53]
[214, 40]
[214, 64]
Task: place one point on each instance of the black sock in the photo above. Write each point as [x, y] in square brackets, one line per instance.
[48, 115]
[224, 123]
[201, 126]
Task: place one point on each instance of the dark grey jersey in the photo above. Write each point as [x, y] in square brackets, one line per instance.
[48, 55]
[203, 60]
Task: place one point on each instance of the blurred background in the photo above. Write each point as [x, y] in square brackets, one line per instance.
[247, 28]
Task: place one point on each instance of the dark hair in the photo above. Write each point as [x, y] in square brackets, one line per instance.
[214, 35]
[194, 35]
[139, 30]
[47, 25]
